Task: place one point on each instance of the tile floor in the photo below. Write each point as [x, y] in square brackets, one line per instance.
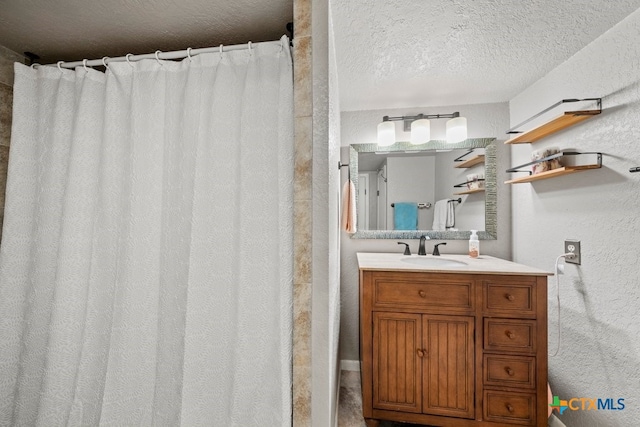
[350, 405]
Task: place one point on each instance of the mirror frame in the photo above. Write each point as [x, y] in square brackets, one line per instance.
[491, 193]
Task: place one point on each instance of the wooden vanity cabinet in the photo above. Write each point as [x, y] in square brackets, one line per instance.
[450, 349]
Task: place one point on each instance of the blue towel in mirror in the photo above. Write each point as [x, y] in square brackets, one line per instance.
[405, 216]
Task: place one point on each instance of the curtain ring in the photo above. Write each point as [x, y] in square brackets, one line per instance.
[104, 61]
[221, 46]
[84, 64]
[250, 51]
[189, 54]
[60, 65]
[127, 58]
[158, 52]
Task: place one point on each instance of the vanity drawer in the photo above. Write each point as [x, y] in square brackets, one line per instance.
[506, 335]
[512, 408]
[509, 298]
[441, 293]
[509, 371]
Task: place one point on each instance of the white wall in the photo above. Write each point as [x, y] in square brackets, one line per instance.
[333, 233]
[325, 243]
[600, 348]
[359, 127]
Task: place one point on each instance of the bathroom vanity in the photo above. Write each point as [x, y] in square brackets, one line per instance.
[452, 341]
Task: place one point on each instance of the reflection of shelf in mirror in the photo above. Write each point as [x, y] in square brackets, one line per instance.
[569, 118]
[466, 183]
[475, 190]
[471, 162]
[552, 173]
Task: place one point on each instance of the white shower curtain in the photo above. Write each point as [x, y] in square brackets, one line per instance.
[146, 261]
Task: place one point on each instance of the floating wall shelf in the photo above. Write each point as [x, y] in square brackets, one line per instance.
[551, 174]
[471, 162]
[554, 125]
[467, 163]
[466, 183]
[475, 190]
[554, 172]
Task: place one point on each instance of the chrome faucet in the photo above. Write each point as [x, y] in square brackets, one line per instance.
[421, 248]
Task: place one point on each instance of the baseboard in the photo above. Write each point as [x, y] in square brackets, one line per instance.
[350, 365]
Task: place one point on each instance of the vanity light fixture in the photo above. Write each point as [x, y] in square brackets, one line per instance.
[456, 129]
[386, 132]
[420, 131]
[421, 128]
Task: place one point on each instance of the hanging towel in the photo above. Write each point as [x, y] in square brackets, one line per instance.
[405, 216]
[451, 215]
[440, 215]
[348, 222]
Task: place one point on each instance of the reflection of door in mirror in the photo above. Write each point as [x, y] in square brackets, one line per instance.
[400, 178]
[363, 202]
[382, 198]
[410, 179]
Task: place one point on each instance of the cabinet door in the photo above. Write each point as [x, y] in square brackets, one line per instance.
[448, 379]
[396, 361]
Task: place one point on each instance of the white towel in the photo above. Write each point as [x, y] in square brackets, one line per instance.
[348, 222]
[440, 215]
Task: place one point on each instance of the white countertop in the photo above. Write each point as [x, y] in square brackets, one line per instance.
[482, 265]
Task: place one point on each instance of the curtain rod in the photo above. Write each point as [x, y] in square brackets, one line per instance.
[177, 54]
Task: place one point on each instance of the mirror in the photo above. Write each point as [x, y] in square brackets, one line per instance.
[423, 175]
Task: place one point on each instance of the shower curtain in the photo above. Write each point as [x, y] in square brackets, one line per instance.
[146, 261]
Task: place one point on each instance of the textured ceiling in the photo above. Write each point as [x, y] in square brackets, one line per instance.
[408, 53]
[77, 29]
[390, 54]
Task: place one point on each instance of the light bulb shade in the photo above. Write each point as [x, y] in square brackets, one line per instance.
[386, 133]
[420, 131]
[456, 130]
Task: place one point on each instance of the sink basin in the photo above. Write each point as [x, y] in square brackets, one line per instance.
[433, 262]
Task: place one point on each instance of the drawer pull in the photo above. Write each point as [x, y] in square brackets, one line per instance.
[421, 352]
[510, 334]
[509, 407]
[509, 371]
[509, 297]
[422, 294]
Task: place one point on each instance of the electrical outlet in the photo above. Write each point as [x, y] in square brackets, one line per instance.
[572, 247]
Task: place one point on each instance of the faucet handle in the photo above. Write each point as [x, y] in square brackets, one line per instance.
[436, 251]
[406, 248]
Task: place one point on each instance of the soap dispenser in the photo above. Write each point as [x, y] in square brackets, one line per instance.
[474, 245]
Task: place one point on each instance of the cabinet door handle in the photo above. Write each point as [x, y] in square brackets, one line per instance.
[421, 352]
[510, 334]
[509, 371]
[509, 407]
[422, 294]
[509, 297]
